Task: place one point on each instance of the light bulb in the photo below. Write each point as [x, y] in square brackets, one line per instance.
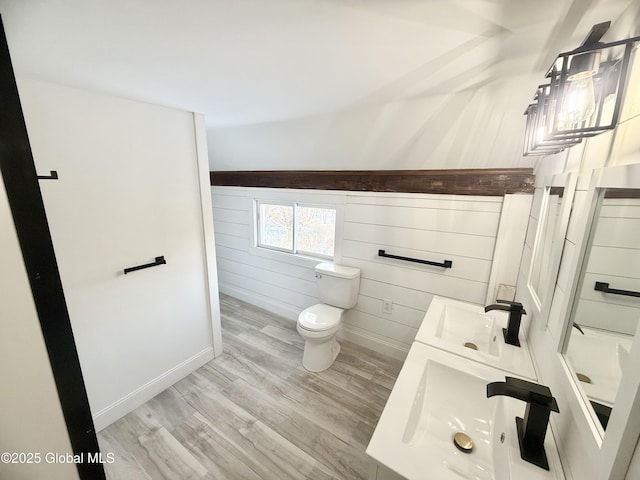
[579, 101]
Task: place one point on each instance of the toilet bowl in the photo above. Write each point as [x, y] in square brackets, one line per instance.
[318, 325]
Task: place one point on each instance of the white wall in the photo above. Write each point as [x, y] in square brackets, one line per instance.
[129, 190]
[469, 129]
[30, 414]
[433, 227]
[462, 120]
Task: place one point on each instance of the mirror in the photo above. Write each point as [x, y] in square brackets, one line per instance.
[606, 309]
[553, 219]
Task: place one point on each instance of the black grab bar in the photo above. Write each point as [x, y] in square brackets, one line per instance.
[159, 261]
[445, 264]
[604, 287]
[53, 175]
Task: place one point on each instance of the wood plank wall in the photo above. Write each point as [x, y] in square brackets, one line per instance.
[432, 227]
[450, 182]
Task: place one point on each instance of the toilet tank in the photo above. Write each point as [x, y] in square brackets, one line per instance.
[337, 285]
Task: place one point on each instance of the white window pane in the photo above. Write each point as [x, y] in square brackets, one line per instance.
[316, 230]
[276, 226]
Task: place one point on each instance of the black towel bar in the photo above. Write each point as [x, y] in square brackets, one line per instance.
[159, 261]
[445, 264]
[604, 287]
[53, 175]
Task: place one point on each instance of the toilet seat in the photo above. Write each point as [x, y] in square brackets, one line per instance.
[320, 317]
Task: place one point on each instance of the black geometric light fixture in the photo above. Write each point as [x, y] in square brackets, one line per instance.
[535, 142]
[583, 96]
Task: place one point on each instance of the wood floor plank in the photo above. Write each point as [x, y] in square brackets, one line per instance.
[124, 440]
[223, 459]
[170, 408]
[203, 379]
[391, 366]
[384, 379]
[320, 410]
[255, 413]
[347, 461]
[361, 408]
[252, 368]
[273, 346]
[251, 437]
[370, 391]
[232, 326]
[250, 314]
[285, 334]
[256, 360]
[171, 458]
[126, 465]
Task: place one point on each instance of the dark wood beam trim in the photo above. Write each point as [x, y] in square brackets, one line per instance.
[491, 182]
[622, 193]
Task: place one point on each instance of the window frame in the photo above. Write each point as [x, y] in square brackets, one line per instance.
[259, 243]
[294, 251]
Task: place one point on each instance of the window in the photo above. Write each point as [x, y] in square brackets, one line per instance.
[297, 228]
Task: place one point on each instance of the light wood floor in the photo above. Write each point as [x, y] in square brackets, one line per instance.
[255, 413]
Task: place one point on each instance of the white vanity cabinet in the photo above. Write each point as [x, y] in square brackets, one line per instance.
[440, 397]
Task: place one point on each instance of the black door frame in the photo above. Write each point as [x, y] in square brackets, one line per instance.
[29, 217]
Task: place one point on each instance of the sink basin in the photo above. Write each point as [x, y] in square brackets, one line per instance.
[459, 405]
[463, 326]
[437, 395]
[599, 357]
[465, 329]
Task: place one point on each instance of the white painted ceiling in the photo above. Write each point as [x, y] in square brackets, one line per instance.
[251, 61]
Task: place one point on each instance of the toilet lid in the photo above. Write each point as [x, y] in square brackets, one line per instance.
[320, 317]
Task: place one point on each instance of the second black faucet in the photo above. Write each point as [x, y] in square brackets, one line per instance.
[516, 310]
[532, 429]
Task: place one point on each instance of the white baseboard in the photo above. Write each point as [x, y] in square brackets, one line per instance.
[133, 400]
[368, 340]
[287, 311]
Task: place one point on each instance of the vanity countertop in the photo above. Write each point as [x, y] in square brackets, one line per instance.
[439, 394]
[467, 330]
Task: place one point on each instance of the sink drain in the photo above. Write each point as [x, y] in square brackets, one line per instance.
[583, 378]
[471, 345]
[463, 442]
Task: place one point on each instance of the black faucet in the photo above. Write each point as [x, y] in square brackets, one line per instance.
[516, 310]
[533, 428]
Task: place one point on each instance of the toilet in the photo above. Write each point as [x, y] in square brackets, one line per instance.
[337, 287]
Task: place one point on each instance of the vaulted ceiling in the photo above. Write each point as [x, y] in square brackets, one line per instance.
[251, 61]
